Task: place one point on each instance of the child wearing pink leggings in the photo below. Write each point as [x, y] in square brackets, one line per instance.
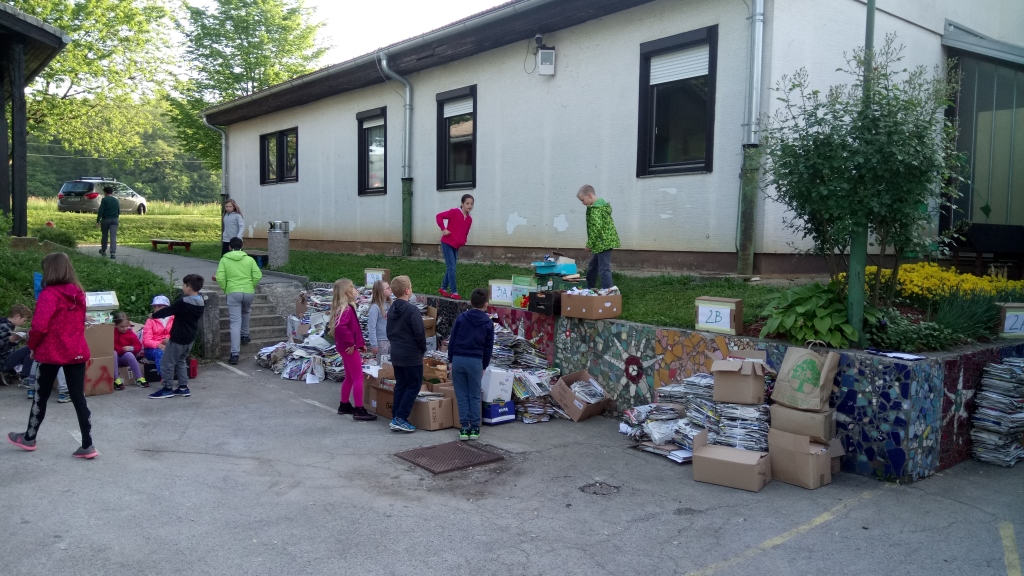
[127, 350]
[348, 341]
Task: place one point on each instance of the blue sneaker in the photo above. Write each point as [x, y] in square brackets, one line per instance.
[162, 393]
[394, 425]
[31, 393]
[182, 391]
[402, 425]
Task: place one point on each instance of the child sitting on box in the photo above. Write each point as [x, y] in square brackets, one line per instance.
[469, 351]
[187, 311]
[10, 355]
[156, 333]
[602, 237]
[127, 350]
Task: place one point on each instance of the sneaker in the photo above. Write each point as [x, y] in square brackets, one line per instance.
[246, 339]
[359, 413]
[112, 257]
[402, 425]
[474, 433]
[29, 383]
[87, 453]
[10, 378]
[233, 360]
[118, 384]
[103, 252]
[19, 441]
[455, 296]
[182, 391]
[141, 383]
[63, 397]
[464, 434]
[162, 393]
[31, 393]
[345, 408]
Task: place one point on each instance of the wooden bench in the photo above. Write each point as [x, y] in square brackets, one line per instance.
[260, 257]
[171, 244]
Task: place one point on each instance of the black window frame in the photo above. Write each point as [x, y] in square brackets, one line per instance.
[362, 188]
[443, 134]
[280, 138]
[645, 119]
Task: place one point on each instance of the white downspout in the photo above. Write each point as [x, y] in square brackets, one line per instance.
[407, 149]
[746, 213]
[751, 123]
[223, 167]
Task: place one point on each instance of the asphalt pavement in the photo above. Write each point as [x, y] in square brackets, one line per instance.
[258, 475]
[164, 264]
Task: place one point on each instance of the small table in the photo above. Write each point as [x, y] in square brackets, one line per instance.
[171, 244]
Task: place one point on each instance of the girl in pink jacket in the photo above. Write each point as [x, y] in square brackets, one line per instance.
[157, 331]
[348, 341]
[454, 225]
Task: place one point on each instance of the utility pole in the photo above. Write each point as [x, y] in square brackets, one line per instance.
[859, 237]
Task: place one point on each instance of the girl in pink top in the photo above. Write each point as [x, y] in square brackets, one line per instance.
[454, 225]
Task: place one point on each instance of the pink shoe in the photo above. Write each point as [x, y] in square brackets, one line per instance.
[444, 293]
[455, 296]
[19, 441]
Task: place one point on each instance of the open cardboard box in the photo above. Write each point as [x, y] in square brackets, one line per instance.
[799, 461]
[732, 467]
[434, 369]
[591, 307]
[430, 322]
[739, 381]
[819, 426]
[432, 415]
[576, 408]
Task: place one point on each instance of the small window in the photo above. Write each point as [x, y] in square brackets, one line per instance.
[279, 157]
[456, 139]
[373, 175]
[677, 104]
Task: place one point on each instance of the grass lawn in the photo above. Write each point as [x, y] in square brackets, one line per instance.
[660, 300]
[181, 222]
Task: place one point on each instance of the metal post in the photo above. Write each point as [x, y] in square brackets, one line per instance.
[5, 146]
[19, 141]
[859, 237]
[751, 139]
[406, 216]
[748, 206]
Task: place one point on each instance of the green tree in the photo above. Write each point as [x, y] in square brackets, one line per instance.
[87, 96]
[235, 48]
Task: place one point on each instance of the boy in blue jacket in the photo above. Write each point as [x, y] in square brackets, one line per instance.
[469, 350]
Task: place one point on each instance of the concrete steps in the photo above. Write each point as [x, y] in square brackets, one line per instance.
[266, 328]
[255, 321]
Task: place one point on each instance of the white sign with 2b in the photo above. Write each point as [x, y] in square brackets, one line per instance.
[714, 316]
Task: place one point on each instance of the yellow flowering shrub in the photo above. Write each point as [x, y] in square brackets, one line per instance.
[929, 281]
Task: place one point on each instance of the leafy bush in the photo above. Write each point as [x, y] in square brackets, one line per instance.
[813, 312]
[56, 235]
[895, 332]
[972, 315]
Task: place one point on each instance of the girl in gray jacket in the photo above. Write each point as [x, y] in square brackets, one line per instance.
[234, 225]
[377, 319]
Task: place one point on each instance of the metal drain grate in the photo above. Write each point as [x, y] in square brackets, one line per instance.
[449, 457]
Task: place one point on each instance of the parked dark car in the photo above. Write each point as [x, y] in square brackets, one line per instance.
[84, 195]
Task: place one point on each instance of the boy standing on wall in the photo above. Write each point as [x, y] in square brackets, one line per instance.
[602, 237]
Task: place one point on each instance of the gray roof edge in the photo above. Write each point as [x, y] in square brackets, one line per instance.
[963, 38]
[35, 22]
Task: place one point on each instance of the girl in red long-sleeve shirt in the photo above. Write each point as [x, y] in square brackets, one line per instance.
[127, 350]
[348, 341]
[454, 225]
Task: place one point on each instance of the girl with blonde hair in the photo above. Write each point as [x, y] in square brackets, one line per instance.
[348, 341]
[377, 321]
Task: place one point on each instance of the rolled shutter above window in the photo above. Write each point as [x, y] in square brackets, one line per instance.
[679, 65]
[458, 107]
[373, 122]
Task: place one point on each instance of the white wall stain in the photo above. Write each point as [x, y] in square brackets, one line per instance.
[514, 220]
[561, 223]
[669, 190]
[666, 215]
[252, 228]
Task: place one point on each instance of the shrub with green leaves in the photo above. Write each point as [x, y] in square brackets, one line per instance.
[812, 312]
[973, 315]
[895, 332]
[56, 235]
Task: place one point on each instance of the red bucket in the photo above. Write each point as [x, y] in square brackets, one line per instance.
[193, 368]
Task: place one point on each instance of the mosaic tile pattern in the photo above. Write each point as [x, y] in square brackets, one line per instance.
[539, 329]
[447, 312]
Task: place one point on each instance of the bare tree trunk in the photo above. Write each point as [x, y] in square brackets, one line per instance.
[876, 291]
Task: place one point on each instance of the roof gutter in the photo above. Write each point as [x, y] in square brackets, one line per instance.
[407, 149]
[426, 39]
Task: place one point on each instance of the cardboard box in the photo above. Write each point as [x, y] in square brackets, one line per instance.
[496, 385]
[385, 402]
[738, 381]
[576, 409]
[430, 322]
[370, 393]
[732, 467]
[494, 413]
[435, 370]
[100, 339]
[591, 307]
[1011, 321]
[799, 461]
[375, 274]
[95, 301]
[448, 389]
[501, 292]
[837, 451]
[722, 315]
[549, 303]
[432, 415]
[820, 426]
[125, 375]
[99, 374]
[387, 371]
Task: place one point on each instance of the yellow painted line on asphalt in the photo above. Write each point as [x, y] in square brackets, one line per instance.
[772, 543]
[1010, 555]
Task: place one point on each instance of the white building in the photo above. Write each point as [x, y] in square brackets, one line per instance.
[648, 103]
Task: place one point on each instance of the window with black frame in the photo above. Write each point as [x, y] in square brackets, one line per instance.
[677, 104]
[279, 157]
[372, 151]
[456, 139]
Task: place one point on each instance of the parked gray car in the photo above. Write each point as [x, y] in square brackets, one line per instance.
[84, 195]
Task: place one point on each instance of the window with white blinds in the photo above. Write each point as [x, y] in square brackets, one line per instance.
[458, 107]
[373, 122]
[680, 65]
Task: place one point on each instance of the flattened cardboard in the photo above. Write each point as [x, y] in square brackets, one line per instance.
[732, 467]
[99, 374]
[577, 409]
[591, 307]
[432, 415]
[819, 426]
[799, 461]
[738, 382]
[430, 322]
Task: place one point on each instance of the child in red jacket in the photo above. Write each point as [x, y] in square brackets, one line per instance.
[127, 350]
[57, 340]
[453, 237]
[348, 341]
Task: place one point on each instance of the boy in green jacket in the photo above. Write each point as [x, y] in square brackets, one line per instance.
[107, 220]
[601, 237]
[238, 276]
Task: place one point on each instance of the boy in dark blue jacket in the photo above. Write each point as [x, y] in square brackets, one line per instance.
[469, 350]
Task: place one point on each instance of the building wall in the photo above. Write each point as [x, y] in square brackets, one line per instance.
[540, 138]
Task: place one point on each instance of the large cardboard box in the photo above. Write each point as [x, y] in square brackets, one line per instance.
[448, 390]
[591, 307]
[432, 415]
[430, 322]
[386, 372]
[370, 393]
[497, 385]
[576, 408]
[836, 448]
[820, 426]
[799, 461]
[732, 467]
[738, 382]
[385, 402]
[100, 339]
[99, 374]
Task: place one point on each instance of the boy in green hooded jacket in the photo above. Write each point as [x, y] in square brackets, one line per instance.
[601, 237]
